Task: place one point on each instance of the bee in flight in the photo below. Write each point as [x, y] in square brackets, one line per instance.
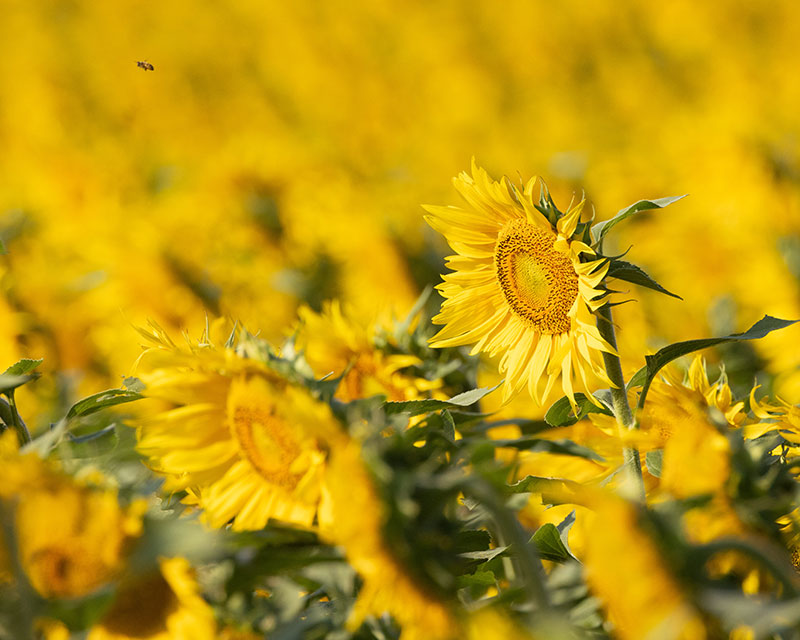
[145, 65]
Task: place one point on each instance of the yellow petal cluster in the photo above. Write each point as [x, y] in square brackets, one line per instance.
[72, 537]
[626, 570]
[163, 605]
[334, 342]
[356, 523]
[520, 288]
[244, 444]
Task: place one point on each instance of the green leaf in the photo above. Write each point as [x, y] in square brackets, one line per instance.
[654, 459]
[134, 384]
[548, 541]
[10, 382]
[766, 325]
[560, 413]
[483, 579]
[23, 367]
[638, 378]
[630, 272]
[416, 407]
[2, 248]
[600, 230]
[561, 447]
[485, 555]
[552, 490]
[102, 400]
[448, 425]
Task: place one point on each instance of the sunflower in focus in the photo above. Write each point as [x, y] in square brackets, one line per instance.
[522, 284]
[243, 443]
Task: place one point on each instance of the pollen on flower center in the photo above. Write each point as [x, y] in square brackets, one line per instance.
[539, 283]
[265, 440]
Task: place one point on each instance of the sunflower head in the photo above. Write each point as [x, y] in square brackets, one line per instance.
[242, 441]
[161, 605]
[524, 284]
[64, 553]
[338, 342]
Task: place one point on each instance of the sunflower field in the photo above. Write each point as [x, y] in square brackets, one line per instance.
[399, 320]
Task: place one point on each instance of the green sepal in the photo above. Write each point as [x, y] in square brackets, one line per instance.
[766, 325]
[560, 414]
[546, 205]
[600, 230]
[622, 270]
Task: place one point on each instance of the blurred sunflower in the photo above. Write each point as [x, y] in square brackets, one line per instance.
[522, 285]
[625, 569]
[335, 342]
[356, 522]
[64, 553]
[161, 605]
[243, 443]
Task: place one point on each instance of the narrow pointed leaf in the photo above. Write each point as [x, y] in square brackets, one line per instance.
[544, 445]
[630, 272]
[766, 325]
[416, 407]
[600, 230]
[102, 400]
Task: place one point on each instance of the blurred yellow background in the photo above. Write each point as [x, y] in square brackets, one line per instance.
[279, 152]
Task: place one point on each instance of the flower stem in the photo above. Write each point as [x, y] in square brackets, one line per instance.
[23, 436]
[619, 401]
[528, 565]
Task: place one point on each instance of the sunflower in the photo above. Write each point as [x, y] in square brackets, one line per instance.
[164, 604]
[522, 286]
[64, 552]
[243, 443]
[335, 342]
[625, 569]
[696, 454]
[356, 523]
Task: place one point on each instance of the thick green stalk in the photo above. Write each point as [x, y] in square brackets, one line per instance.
[619, 401]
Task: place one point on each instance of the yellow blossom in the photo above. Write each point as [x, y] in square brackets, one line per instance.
[162, 605]
[520, 286]
[246, 445]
